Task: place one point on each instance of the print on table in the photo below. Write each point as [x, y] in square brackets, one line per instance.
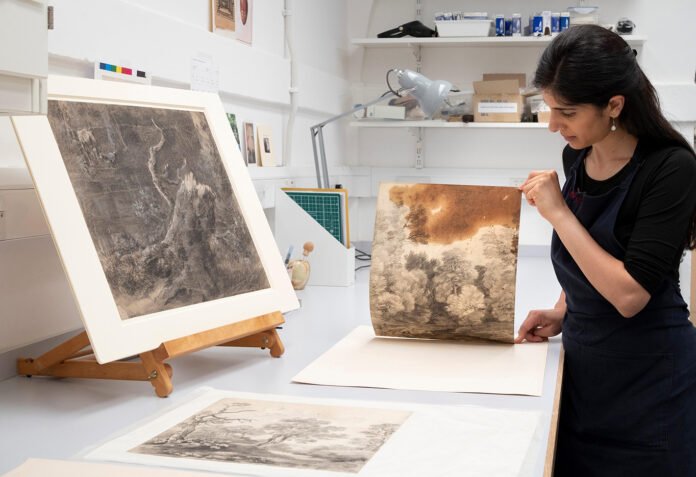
[444, 260]
[158, 203]
[283, 434]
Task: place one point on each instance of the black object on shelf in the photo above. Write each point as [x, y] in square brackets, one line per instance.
[625, 26]
[414, 28]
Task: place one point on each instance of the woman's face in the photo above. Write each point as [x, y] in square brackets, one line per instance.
[581, 125]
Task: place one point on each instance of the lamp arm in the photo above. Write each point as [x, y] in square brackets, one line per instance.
[318, 140]
[357, 108]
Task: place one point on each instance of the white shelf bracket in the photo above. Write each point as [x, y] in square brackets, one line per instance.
[420, 160]
[416, 50]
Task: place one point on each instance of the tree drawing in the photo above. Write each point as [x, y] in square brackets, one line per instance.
[279, 434]
[448, 286]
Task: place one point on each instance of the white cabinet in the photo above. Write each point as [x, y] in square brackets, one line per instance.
[34, 292]
[23, 56]
[20, 214]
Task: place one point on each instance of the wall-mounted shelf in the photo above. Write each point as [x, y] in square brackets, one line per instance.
[445, 124]
[294, 172]
[505, 41]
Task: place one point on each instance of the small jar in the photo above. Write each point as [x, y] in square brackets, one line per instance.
[298, 270]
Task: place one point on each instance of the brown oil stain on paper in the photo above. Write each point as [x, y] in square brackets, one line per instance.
[444, 214]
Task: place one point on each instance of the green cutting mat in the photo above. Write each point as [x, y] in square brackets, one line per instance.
[324, 207]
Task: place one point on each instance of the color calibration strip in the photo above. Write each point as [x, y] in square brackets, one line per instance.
[122, 69]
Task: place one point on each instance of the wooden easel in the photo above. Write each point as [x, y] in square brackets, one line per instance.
[71, 360]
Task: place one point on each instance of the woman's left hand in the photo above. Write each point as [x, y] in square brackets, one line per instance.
[542, 190]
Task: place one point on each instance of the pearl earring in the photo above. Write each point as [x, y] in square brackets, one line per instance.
[613, 124]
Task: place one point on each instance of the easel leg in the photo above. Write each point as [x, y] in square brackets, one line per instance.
[62, 352]
[277, 348]
[265, 339]
[158, 373]
[67, 360]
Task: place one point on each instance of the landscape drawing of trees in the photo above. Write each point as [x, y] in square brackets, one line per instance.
[158, 204]
[283, 434]
[444, 261]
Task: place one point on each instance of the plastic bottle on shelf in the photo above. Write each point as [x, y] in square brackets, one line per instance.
[516, 24]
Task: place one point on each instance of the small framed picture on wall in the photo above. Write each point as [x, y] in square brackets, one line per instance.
[232, 119]
[222, 17]
[249, 151]
[264, 138]
[244, 14]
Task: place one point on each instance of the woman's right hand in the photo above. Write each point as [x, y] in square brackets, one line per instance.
[540, 325]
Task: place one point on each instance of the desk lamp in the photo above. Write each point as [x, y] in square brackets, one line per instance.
[429, 94]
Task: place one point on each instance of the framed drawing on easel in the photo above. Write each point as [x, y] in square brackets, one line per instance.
[155, 218]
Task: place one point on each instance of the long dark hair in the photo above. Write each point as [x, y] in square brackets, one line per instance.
[588, 64]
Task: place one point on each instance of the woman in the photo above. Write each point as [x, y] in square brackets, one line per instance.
[621, 223]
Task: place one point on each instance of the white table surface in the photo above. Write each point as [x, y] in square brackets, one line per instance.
[59, 418]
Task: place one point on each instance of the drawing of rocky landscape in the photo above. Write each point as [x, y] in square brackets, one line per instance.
[158, 204]
[444, 260]
[282, 434]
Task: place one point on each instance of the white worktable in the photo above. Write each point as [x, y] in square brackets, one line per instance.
[52, 418]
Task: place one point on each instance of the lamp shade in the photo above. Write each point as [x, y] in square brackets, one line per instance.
[430, 94]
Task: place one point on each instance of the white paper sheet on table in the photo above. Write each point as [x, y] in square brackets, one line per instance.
[363, 360]
[74, 468]
[432, 441]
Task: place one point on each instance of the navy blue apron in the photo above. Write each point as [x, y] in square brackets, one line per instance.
[628, 405]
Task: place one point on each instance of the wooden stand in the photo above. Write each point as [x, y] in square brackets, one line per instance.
[71, 360]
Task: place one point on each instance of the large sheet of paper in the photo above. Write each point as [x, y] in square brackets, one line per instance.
[362, 359]
[75, 468]
[266, 435]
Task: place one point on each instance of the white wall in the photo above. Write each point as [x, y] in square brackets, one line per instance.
[161, 37]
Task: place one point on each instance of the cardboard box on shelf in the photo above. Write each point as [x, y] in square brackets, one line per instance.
[497, 101]
[385, 112]
[520, 77]
[536, 105]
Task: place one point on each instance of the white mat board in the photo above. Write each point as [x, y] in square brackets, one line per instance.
[363, 360]
[75, 468]
[433, 440]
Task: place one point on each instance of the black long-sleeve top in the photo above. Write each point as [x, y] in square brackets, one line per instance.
[653, 221]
